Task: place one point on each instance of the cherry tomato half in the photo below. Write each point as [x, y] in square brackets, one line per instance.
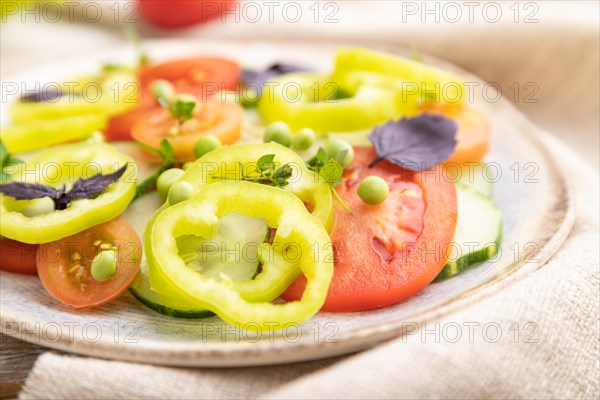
[18, 257]
[64, 266]
[197, 76]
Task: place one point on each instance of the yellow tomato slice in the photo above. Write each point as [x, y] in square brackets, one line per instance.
[220, 119]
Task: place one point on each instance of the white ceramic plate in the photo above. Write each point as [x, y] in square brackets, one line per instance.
[536, 203]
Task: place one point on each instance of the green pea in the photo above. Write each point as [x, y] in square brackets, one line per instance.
[161, 88]
[166, 180]
[249, 97]
[104, 265]
[37, 207]
[303, 139]
[278, 132]
[373, 190]
[180, 191]
[206, 144]
[340, 150]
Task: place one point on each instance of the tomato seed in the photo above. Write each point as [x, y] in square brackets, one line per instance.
[74, 268]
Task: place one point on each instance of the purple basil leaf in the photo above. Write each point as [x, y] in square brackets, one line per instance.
[82, 189]
[62, 200]
[43, 95]
[417, 143]
[87, 188]
[28, 191]
[259, 78]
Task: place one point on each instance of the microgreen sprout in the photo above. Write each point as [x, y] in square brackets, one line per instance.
[331, 170]
[167, 156]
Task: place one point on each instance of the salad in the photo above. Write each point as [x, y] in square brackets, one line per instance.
[260, 196]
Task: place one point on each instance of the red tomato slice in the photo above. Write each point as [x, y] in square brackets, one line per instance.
[72, 285]
[197, 76]
[220, 119]
[386, 253]
[119, 126]
[18, 257]
[201, 77]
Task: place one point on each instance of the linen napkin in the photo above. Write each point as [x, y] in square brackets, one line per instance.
[549, 321]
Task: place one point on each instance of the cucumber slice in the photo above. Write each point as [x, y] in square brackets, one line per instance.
[141, 290]
[478, 231]
[478, 176]
[231, 254]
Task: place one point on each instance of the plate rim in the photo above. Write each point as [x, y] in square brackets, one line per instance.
[216, 354]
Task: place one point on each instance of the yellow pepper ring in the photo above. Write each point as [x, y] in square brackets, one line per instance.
[63, 165]
[223, 164]
[247, 304]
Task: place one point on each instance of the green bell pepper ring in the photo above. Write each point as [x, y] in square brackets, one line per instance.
[247, 304]
[413, 81]
[224, 163]
[105, 95]
[60, 165]
[38, 134]
[83, 109]
[309, 100]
